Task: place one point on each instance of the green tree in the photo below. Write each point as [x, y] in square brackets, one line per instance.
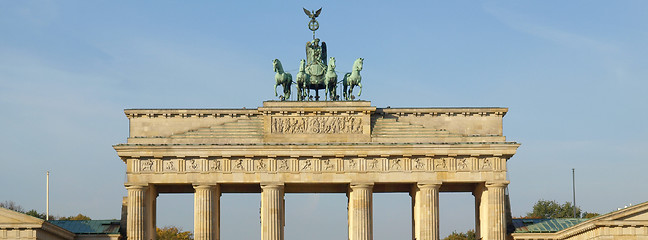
[77, 217]
[470, 235]
[552, 209]
[173, 233]
[34, 213]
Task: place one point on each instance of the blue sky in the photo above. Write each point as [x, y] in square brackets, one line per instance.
[572, 74]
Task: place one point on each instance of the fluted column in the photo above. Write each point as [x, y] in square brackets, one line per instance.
[479, 218]
[360, 211]
[496, 212]
[272, 211]
[425, 212]
[206, 212]
[150, 211]
[135, 223]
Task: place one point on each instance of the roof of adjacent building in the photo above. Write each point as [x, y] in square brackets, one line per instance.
[89, 226]
[545, 225]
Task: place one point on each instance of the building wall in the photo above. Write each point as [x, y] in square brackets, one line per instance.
[627, 232]
[28, 234]
[17, 234]
[97, 237]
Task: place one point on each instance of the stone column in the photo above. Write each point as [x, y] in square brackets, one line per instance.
[477, 193]
[150, 211]
[272, 211]
[496, 212]
[206, 212]
[425, 211]
[360, 211]
[135, 223]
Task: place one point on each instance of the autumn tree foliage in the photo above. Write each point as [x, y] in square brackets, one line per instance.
[173, 233]
[470, 235]
[77, 217]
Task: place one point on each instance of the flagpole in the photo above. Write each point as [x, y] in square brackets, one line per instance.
[47, 199]
[574, 189]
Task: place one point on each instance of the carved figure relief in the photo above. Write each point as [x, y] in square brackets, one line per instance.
[486, 164]
[170, 166]
[440, 164]
[307, 165]
[352, 163]
[461, 164]
[192, 165]
[328, 165]
[147, 165]
[395, 164]
[239, 165]
[316, 125]
[261, 165]
[419, 164]
[215, 165]
[373, 164]
[283, 165]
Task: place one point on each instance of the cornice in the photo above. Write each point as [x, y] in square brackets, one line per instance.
[449, 111]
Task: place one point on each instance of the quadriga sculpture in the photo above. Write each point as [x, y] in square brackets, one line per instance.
[282, 78]
[331, 80]
[353, 79]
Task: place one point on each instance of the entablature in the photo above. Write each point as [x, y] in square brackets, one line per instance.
[504, 149]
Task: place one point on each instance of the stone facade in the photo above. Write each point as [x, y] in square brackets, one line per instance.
[626, 224]
[15, 225]
[346, 147]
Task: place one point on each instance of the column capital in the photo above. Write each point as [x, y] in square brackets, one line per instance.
[135, 186]
[497, 184]
[272, 185]
[361, 185]
[430, 184]
[204, 186]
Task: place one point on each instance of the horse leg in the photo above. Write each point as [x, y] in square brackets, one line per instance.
[334, 96]
[287, 90]
[300, 96]
[326, 91]
[359, 92]
[276, 90]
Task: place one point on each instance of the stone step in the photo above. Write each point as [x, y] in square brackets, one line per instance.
[227, 130]
[241, 128]
[223, 136]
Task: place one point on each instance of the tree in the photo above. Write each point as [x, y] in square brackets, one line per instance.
[15, 207]
[77, 217]
[173, 233]
[11, 205]
[34, 213]
[551, 209]
[470, 235]
[590, 215]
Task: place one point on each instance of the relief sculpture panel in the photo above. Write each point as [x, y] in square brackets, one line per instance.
[320, 165]
[316, 125]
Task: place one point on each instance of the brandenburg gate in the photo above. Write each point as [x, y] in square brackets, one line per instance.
[312, 146]
[347, 147]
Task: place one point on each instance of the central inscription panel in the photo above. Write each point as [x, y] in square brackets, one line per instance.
[316, 125]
